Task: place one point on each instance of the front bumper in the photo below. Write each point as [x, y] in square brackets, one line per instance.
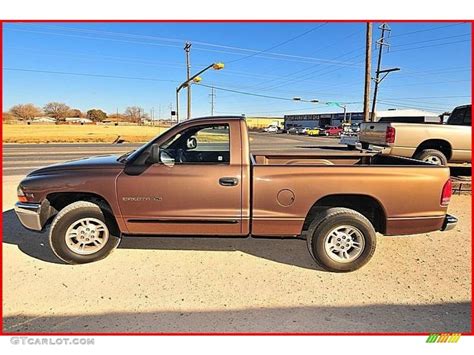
[34, 215]
[449, 223]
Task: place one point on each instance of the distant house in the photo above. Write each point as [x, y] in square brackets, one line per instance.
[44, 119]
[78, 120]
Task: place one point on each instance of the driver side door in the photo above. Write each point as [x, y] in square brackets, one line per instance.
[194, 189]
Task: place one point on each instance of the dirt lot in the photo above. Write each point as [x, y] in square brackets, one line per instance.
[418, 283]
[50, 133]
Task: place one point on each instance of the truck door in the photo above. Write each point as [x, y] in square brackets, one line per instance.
[194, 189]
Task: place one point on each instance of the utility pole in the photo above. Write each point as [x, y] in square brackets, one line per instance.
[187, 49]
[381, 43]
[368, 65]
[159, 114]
[212, 95]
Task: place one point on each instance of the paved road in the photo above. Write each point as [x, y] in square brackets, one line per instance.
[20, 159]
[419, 283]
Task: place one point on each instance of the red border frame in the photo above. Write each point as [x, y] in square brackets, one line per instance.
[2, 333]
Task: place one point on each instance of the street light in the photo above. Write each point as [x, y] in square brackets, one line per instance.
[297, 98]
[194, 79]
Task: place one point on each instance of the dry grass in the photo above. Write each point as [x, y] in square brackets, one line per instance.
[46, 133]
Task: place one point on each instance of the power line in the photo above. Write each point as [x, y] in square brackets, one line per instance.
[269, 55]
[88, 74]
[433, 45]
[279, 44]
[427, 30]
[431, 40]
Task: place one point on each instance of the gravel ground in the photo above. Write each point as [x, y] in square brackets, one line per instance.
[413, 284]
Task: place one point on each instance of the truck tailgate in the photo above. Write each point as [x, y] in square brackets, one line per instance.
[373, 132]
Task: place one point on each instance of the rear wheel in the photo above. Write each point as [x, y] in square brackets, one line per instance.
[432, 156]
[341, 239]
[81, 233]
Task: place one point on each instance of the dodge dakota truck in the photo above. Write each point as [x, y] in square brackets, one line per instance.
[433, 143]
[200, 178]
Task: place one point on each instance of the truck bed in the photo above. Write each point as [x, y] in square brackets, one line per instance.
[332, 158]
[288, 185]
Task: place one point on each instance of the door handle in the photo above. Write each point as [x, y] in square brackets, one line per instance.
[228, 181]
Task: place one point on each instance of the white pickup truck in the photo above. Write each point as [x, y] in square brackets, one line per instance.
[435, 143]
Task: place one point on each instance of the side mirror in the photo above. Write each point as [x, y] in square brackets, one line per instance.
[166, 159]
[191, 143]
[154, 154]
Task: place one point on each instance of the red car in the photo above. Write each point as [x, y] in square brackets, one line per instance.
[333, 131]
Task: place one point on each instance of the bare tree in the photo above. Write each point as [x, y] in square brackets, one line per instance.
[57, 110]
[25, 111]
[75, 113]
[135, 114]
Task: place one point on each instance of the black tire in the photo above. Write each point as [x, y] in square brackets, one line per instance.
[70, 215]
[428, 155]
[327, 220]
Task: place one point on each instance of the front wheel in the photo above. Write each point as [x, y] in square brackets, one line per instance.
[80, 233]
[341, 239]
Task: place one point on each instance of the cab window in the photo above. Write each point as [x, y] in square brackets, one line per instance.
[204, 144]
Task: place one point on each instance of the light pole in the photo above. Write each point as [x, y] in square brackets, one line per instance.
[196, 79]
[344, 107]
[187, 49]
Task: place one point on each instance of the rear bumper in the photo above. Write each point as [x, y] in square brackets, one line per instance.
[393, 150]
[34, 215]
[449, 223]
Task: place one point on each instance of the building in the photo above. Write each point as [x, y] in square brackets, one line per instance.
[78, 120]
[336, 119]
[263, 122]
[321, 119]
[44, 119]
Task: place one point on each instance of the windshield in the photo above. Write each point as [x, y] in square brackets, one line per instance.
[135, 153]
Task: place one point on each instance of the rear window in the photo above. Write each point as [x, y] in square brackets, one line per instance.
[458, 117]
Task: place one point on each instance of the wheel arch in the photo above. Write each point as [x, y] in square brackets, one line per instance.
[435, 143]
[59, 200]
[367, 205]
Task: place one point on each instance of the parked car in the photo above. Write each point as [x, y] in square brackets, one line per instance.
[302, 130]
[434, 143]
[333, 131]
[199, 178]
[316, 131]
[292, 130]
[272, 129]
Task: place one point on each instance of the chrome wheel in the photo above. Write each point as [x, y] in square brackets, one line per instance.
[344, 243]
[433, 159]
[87, 236]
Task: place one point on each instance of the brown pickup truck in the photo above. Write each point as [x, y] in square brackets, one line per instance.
[433, 143]
[199, 178]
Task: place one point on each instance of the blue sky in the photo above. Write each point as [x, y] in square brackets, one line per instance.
[323, 61]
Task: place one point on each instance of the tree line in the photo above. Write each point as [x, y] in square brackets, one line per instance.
[60, 111]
